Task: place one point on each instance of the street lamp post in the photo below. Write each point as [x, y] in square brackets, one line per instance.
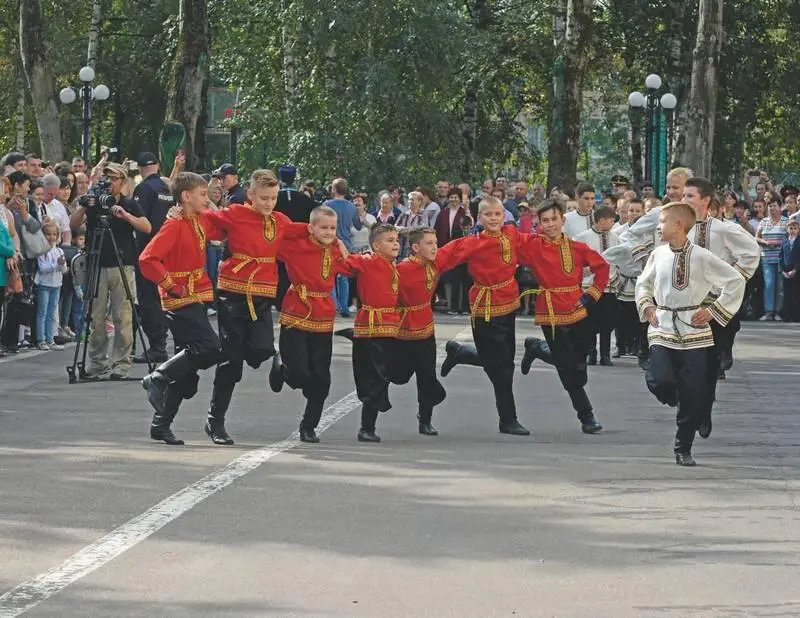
[88, 93]
[654, 141]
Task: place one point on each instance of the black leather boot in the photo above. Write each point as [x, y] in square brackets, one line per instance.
[156, 383]
[704, 431]
[366, 432]
[347, 333]
[591, 357]
[160, 428]
[582, 405]
[535, 348]
[459, 354]
[589, 424]
[310, 421]
[685, 459]
[424, 417]
[215, 424]
[276, 378]
[513, 428]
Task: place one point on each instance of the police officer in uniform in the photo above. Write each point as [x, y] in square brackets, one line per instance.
[155, 199]
[297, 206]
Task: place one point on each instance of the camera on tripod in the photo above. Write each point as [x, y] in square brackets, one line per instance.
[99, 196]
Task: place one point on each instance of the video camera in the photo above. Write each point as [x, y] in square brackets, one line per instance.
[99, 196]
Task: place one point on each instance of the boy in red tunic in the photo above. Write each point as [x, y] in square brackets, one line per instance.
[561, 306]
[247, 284]
[175, 261]
[416, 342]
[494, 297]
[376, 325]
[307, 315]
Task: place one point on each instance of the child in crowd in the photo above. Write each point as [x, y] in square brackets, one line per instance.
[50, 273]
[790, 262]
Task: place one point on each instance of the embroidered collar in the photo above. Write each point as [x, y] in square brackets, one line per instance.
[497, 234]
[588, 214]
[418, 260]
[682, 249]
[559, 242]
[384, 258]
[318, 243]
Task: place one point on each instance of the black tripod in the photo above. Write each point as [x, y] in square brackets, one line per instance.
[100, 234]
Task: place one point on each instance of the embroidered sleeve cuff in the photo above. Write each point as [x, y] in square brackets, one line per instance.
[642, 251]
[595, 292]
[744, 273]
[167, 282]
[720, 314]
[643, 303]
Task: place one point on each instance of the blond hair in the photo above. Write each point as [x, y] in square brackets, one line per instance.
[53, 227]
[683, 212]
[681, 171]
[321, 211]
[186, 181]
[262, 179]
[489, 202]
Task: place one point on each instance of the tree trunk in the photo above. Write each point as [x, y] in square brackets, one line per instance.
[572, 24]
[94, 33]
[678, 79]
[21, 120]
[42, 85]
[481, 17]
[189, 83]
[288, 44]
[703, 93]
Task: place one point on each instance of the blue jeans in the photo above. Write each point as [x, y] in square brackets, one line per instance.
[213, 258]
[342, 293]
[47, 313]
[772, 284]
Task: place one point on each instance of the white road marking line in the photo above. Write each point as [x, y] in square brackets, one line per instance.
[776, 373]
[29, 594]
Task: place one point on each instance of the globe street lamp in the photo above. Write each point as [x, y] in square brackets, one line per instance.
[655, 145]
[98, 93]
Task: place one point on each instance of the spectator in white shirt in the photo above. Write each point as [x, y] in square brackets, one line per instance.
[431, 209]
[52, 208]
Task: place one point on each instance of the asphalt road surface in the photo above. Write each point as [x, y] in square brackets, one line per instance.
[98, 520]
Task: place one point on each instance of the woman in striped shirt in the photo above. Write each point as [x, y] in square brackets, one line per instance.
[770, 235]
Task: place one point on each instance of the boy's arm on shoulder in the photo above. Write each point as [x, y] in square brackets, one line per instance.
[295, 231]
[731, 283]
[744, 248]
[454, 253]
[645, 286]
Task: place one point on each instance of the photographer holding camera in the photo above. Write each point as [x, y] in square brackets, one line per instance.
[110, 208]
[155, 199]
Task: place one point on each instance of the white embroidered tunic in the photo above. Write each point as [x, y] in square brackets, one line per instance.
[677, 282]
[600, 242]
[575, 223]
[730, 242]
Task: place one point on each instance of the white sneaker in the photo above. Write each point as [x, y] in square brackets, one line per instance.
[765, 318]
[42, 346]
[55, 346]
[778, 318]
[211, 311]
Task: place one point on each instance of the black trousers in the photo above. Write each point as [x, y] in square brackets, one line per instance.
[683, 378]
[283, 284]
[418, 357]
[152, 318]
[495, 342]
[306, 359]
[603, 318]
[568, 348]
[724, 337]
[243, 339]
[791, 299]
[373, 367]
[193, 333]
[628, 325]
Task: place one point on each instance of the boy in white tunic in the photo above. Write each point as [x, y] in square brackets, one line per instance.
[628, 330]
[581, 219]
[670, 292]
[603, 314]
[729, 242]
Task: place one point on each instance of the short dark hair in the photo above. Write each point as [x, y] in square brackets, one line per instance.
[548, 205]
[379, 230]
[584, 187]
[636, 200]
[454, 191]
[418, 233]
[703, 185]
[186, 181]
[426, 192]
[604, 212]
[18, 178]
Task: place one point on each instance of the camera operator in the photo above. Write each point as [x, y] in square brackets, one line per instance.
[122, 219]
[154, 198]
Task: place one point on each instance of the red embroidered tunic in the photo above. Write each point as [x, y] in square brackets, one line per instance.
[378, 285]
[558, 267]
[312, 268]
[418, 281]
[492, 264]
[253, 241]
[177, 256]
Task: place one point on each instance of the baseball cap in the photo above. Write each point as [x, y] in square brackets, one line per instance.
[144, 159]
[226, 169]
